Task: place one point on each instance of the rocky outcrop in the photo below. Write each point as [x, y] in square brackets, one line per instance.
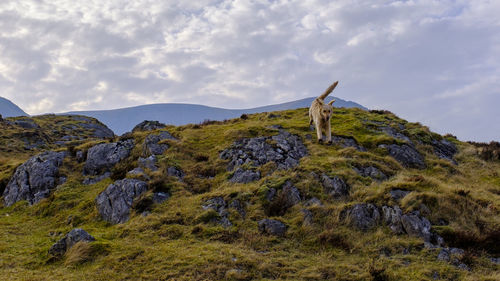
[392, 217]
[371, 172]
[34, 180]
[347, 141]
[74, 236]
[148, 163]
[453, 256]
[445, 149]
[398, 194]
[291, 195]
[219, 205]
[245, 176]
[26, 123]
[272, 227]
[175, 172]
[284, 149]
[148, 125]
[115, 202]
[335, 187]
[152, 145]
[102, 157]
[395, 134]
[405, 154]
[362, 216]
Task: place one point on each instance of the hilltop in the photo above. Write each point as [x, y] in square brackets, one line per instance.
[9, 109]
[254, 197]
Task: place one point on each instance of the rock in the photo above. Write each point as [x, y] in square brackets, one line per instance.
[219, 205]
[102, 157]
[398, 194]
[395, 134]
[26, 123]
[308, 217]
[148, 163]
[236, 204]
[291, 195]
[115, 202]
[272, 115]
[74, 236]
[96, 179]
[175, 172]
[405, 154]
[392, 217]
[152, 146]
[136, 172]
[34, 179]
[313, 202]
[362, 216]
[99, 130]
[371, 172]
[272, 227]
[417, 226]
[335, 187]
[445, 149]
[80, 157]
[275, 127]
[244, 176]
[347, 141]
[495, 260]
[271, 192]
[284, 149]
[160, 197]
[148, 125]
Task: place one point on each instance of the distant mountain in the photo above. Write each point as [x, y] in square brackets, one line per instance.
[9, 109]
[124, 119]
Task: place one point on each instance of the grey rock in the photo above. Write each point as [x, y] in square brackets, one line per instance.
[80, 157]
[284, 149]
[115, 202]
[335, 187]
[271, 192]
[136, 172]
[371, 172]
[392, 217]
[398, 194]
[99, 130]
[148, 125]
[362, 216]
[417, 226]
[96, 179]
[405, 154]
[244, 176]
[175, 172]
[347, 141]
[291, 195]
[395, 134]
[160, 197]
[34, 179]
[313, 202]
[152, 144]
[148, 163]
[102, 157]
[26, 124]
[272, 227]
[308, 217]
[219, 205]
[74, 236]
[445, 149]
[238, 206]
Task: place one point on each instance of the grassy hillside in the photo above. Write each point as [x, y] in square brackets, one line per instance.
[179, 240]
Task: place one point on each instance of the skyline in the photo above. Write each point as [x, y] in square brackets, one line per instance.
[433, 62]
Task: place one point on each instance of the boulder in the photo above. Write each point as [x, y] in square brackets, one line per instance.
[26, 123]
[160, 197]
[291, 195]
[392, 217]
[115, 202]
[307, 217]
[417, 226]
[152, 144]
[395, 134]
[175, 172]
[398, 194]
[313, 202]
[148, 163]
[347, 141]
[245, 176]
[445, 149]
[220, 205]
[148, 125]
[272, 227]
[371, 172]
[99, 130]
[405, 154]
[34, 179]
[362, 216]
[102, 157]
[335, 187]
[74, 236]
[284, 149]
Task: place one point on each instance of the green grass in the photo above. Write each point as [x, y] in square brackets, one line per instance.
[179, 241]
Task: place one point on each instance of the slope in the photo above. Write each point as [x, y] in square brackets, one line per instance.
[9, 109]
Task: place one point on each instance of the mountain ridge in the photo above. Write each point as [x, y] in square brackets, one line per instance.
[10, 109]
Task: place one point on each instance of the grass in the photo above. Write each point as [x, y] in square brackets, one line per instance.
[178, 239]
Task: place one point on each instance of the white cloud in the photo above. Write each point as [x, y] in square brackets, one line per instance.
[426, 60]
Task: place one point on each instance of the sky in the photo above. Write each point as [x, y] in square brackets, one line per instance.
[433, 62]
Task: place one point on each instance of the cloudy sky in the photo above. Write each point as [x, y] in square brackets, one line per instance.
[435, 62]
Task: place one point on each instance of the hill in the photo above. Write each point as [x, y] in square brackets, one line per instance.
[9, 109]
[255, 198]
[124, 119]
